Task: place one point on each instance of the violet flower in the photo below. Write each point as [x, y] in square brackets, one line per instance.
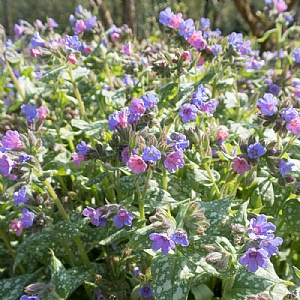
[123, 218]
[255, 258]
[161, 241]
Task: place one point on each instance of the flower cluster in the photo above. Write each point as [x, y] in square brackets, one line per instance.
[262, 246]
[25, 221]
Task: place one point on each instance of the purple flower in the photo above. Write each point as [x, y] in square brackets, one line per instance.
[37, 41]
[205, 22]
[179, 141]
[296, 55]
[145, 291]
[270, 244]
[137, 106]
[274, 89]
[254, 258]
[294, 125]
[188, 112]
[30, 111]
[174, 161]
[240, 165]
[26, 218]
[210, 107]
[136, 164]
[82, 148]
[20, 196]
[285, 167]
[118, 119]
[161, 241]
[199, 96]
[6, 165]
[79, 27]
[235, 39]
[256, 150]
[90, 23]
[11, 140]
[289, 113]
[268, 81]
[72, 43]
[78, 10]
[245, 47]
[260, 228]
[94, 215]
[151, 154]
[38, 24]
[165, 16]
[128, 80]
[77, 159]
[187, 28]
[136, 271]
[125, 155]
[24, 158]
[179, 237]
[25, 297]
[268, 104]
[52, 23]
[150, 100]
[19, 30]
[216, 49]
[123, 218]
[16, 226]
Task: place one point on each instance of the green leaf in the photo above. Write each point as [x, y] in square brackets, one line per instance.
[27, 87]
[78, 73]
[52, 74]
[77, 276]
[172, 275]
[92, 129]
[13, 288]
[241, 216]
[202, 292]
[97, 179]
[168, 91]
[140, 240]
[297, 271]
[159, 197]
[290, 213]
[266, 190]
[59, 277]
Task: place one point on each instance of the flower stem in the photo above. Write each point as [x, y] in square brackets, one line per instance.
[66, 217]
[10, 249]
[107, 70]
[288, 145]
[236, 185]
[228, 283]
[212, 179]
[77, 94]
[139, 198]
[14, 79]
[164, 179]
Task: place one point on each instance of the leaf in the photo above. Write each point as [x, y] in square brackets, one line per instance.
[297, 271]
[77, 276]
[159, 197]
[52, 74]
[168, 91]
[266, 190]
[97, 179]
[77, 73]
[241, 216]
[172, 276]
[13, 288]
[202, 292]
[140, 240]
[92, 129]
[59, 277]
[290, 213]
[27, 87]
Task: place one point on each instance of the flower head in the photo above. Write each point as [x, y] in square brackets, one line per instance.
[118, 119]
[82, 148]
[150, 100]
[145, 291]
[254, 258]
[16, 226]
[235, 39]
[24, 158]
[179, 237]
[260, 228]
[136, 164]
[73, 43]
[240, 165]
[136, 271]
[161, 241]
[187, 28]
[289, 113]
[20, 196]
[296, 55]
[294, 125]
[165, 16]
[25, 297]
[93, 215]
[30, 111]
[11, 140]
[179, 142]
[188, 112]
[123, 218]
[216, 49]
[175, 20]
[37, 41]
[151, 154]
[77, 159]
[6, 165]
[197, 41]
[210, 107]
[205, 22]
[26, 218]
[285, 167]
[270, 244]
[274, 89]
[90, 23]
[256, 150]
[52, 23]
[174, 161]
[42, 112]
[137, 106]
[127, 49]
[268, 104]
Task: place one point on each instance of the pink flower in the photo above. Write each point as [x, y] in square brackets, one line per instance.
[174, 161]
[294, 125]
[114, 36]
[127, 49]
[136, 164]
[6, 165]
[197, 41]
[11, 140]
[200, 62]
[240, 165]
[175, 20]
[42, 112]
[77, 159]
[280, 5]
[16, 226]
[222, 135]
[35, 52]
[72, 58]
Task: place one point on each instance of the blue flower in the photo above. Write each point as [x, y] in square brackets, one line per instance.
[188, 112]
[150, 100]
[296, 55]
[274, 89]
[20, 196]
[151, 154]
[260, 228]
[73, 43]
[24, 158]
[187, 28]
[256, 150]
[235, 39]
[179, 237]
[83, 148]
[161, 241]
[205, 22]
[179, 141]
[30, 111]
[270, 244]
[216, 49]
[268, 104]
[289, 113]
[145, 291]
[27, 217]
[165, 16]
[285, 167]
[254, 258]
[123, 218]
[37, 41]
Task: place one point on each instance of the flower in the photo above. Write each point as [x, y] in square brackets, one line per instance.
[90, 23]
[280, 5]
[216, 49]
[222, 135]
[289, 113]
[26, 218]
[260, 228]
[118, 119]
[25, 297]
[93, 214]
[77, 159]
[179, 237]
[161, 241]
[30, 111]
[136, 271]
[137, 106]
[179, 141]
[256, 150]
[145, 291]
[235, 39]
[24, 158]
[165, 16]
[20, 196]
[125, 155]
[294, 125]
[205, 22]
[6, 165]
[188, 112]
[254, 258]
[175, 20]
[270, 244]
[174, 161]
[72, 43]
[82, 148]
[240, 165]
[285, 167]
[123, 218]
[268, 104]
[11, 140]
[199, 96]
[37, 41]
[197, 41]
[42, 112]
[187, 28]
[136, 164]
[16, 226]
[52, 23]
[274, 89]
[210, 107]
[127, 49]
[150, 100]
[296, 55]
[151, 154]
